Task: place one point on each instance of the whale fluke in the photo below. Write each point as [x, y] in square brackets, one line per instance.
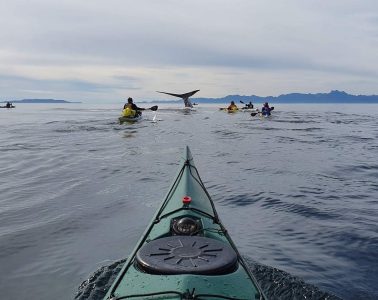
[185, 97]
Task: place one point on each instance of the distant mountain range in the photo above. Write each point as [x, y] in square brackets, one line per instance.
[332, 97]
[39, 101]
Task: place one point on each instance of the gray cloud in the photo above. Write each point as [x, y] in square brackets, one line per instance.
[78, 87]
[132, 37]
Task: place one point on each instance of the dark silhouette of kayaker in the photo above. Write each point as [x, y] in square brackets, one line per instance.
[266, 109]
[8, 105]
[130, 104]
[249, 105]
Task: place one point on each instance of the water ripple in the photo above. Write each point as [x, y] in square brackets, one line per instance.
[298, 192]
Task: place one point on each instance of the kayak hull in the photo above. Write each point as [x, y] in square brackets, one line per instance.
[230, 111]
[185, 251]
[249, 110]
[124, 119]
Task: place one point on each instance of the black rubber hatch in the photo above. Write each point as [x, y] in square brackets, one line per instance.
[187, 255]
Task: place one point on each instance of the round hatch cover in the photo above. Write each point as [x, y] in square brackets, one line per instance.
[186, 255]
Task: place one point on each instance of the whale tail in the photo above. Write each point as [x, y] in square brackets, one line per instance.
[184, 97]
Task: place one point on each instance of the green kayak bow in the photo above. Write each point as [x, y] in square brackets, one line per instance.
[185, 252]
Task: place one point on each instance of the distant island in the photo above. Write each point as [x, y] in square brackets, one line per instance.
[332, 97]
[39, 101]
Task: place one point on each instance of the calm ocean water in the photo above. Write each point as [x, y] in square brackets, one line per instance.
[297, 192]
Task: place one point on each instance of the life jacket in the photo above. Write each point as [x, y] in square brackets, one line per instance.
[232, 107]
[266, 111]
[128, 112]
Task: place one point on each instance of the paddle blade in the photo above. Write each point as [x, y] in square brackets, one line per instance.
[272, 108]
[241, 102]
[154, 108]
[254, 114]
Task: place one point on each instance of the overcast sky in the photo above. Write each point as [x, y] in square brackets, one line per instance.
[108, 50]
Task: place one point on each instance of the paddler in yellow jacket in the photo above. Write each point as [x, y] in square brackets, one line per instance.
[232, 107]
[131, 110]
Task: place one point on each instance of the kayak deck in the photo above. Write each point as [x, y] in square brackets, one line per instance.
[234, 286]
[185, 253]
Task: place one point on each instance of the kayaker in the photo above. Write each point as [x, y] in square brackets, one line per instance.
[8, 105]
[266, 109]
[131, 105]
[232, 106]
[249, 105]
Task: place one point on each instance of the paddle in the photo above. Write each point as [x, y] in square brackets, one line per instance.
[243, 103]
[154, 108]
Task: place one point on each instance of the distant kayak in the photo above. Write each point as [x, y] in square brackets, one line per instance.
[8, 107]
[130, 119]
[189, 109]
[225, 109]
[243, 109]
[130, 115]
[247, 109]
[185, 253]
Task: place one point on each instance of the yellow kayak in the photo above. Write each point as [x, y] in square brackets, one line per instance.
[233, 110]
